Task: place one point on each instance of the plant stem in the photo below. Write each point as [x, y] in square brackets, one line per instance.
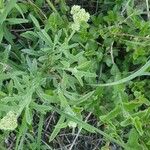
[147, 7]
[71, 35]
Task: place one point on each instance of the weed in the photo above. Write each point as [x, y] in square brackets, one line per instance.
[74, 71]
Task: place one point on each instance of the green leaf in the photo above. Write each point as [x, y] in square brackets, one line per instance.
[79, 78]
[112, 114]
[41, 108]
[13, 21]
[7, 108]
[84, 65]
[40, 128]
[6, 54]
[45, 37]
[87, 126]
[9, 6]
[35, 21]
[60, 124]
[133, 143]
[28, 115]
[22, 131]
[1, 4]
[129, 78]
[1, 32]
[20, 10]
[138, 125]
[29, 35]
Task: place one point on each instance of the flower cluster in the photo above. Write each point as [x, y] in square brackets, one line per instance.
[79, 16]
[9, 122]
[72, 124]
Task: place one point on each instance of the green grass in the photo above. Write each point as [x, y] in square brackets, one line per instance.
[63, 86]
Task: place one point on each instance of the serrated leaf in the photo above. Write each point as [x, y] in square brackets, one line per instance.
[138, 125]
[41, 108]
[133, 143]
[112, 114]
[60, 124]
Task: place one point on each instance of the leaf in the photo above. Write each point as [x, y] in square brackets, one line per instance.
[1, 4]
[138, 125]
[9, 6]
[133, 143]
[60, 124]
[40, 128]
[7, 108]
[29, 35]
[28, 115]
[8, 35]
[20, 10]
[62, 98]
[132, 105]
[45, 37]
[6, 54]
[126, 122]
[84, 65]
[112, 114]
[129, 78]
[41, 108]
[30, 52]
[64, 103]
[85, 97]
[1, 32]
[35, 21]
[87, 126]
[53, 22]
[79, 78]
[46, 97]
[22, 130]
[13, 21]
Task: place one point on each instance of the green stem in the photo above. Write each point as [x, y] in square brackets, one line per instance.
[71, 35]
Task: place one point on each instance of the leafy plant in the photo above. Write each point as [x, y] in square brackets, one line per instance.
[67, 61]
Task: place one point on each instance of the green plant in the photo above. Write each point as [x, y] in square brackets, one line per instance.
[71, 62]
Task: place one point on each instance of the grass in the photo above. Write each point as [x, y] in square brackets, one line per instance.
[74, 88]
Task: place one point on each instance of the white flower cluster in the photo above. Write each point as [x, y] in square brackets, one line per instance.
[9, 122]
[72, 124]
[79, 15]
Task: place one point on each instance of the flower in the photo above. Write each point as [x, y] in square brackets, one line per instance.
[79, 15]
[72, 124]
[75, 9]
[75, 26]
[9, 122]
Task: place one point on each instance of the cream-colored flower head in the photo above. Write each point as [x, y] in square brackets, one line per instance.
[72, 124]
[9, 122]
[79, 15]
[75, 26]
[75, 9]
